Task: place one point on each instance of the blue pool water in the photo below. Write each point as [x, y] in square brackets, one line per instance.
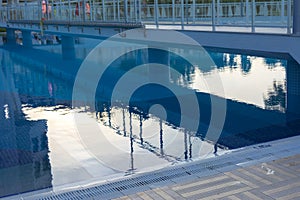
[42, 144]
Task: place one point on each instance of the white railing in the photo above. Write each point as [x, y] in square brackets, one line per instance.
[274, 13]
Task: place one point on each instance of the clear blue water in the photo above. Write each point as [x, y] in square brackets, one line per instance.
[39, 142]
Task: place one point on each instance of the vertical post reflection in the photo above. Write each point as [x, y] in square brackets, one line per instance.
[126, 10]
[141, 129]
[190, 146]
[185, 146]
[161, 138]
[99, 110]
[124, 124]
[131, 142]
[130, 132]
[118, 9]
[109, 115]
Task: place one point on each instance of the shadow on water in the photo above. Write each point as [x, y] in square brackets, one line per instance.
[30, 79]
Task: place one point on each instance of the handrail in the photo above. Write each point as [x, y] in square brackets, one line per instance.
[265, 13]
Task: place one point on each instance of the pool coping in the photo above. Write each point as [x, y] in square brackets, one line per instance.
[180, 173]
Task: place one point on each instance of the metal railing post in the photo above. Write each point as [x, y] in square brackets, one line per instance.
[182, 14]
[40, 9]
[104, 10]
[213, 19]
[83, 10]
[173, 11]
[247, 11]
[79, 11]
[135, 11]
[125, 10]
[118, 9]
[253, 16]
[70, 10]
[218, 11]
[25, 6]
[156, 12]
[289, 15]
[60, 9]
[282, 11]
[114, 9]
[140, 10]
[242, 8]
[47, 11]
[7, 13]
[186, 11]
[193, 11]
[91, 4]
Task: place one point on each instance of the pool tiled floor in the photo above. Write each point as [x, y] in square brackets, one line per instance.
[276, 179]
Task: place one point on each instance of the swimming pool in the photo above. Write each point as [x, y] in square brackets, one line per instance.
[41, 147]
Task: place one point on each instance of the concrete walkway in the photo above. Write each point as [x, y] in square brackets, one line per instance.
[228, 28]
[276, 179]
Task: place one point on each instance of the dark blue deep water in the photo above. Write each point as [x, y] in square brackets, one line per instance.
[39, 143]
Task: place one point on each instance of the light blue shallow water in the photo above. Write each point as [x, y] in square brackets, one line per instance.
[42, 144]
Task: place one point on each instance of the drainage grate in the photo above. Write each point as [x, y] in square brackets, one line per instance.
[146, 181]
[120, 186]
[134, 184]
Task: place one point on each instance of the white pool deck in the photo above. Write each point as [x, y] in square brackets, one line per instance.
[274, 176]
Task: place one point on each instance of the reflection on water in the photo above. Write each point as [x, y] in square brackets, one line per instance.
[254, 75]
[40, 146]
[275, 98]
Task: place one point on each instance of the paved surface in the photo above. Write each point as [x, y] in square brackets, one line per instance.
[265, 171]
[277, 179]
